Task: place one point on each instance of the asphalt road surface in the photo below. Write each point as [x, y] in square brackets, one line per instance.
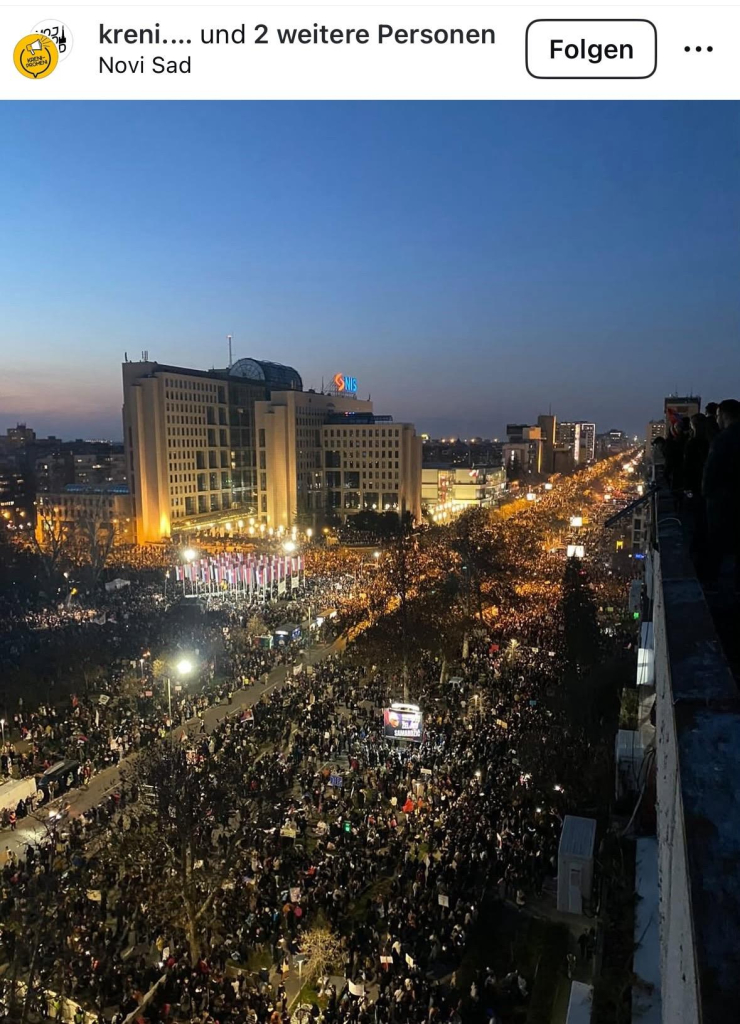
[33, 828]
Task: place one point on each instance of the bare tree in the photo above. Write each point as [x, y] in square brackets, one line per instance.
[190, 800]
[95, 537]
[51, 540]
[323, 950]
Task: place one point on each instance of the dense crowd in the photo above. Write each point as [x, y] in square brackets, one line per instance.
[426, 845]
[394, 860]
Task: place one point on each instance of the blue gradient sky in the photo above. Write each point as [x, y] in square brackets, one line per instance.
[470, 263]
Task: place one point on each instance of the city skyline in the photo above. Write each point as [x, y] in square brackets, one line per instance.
[471, 264]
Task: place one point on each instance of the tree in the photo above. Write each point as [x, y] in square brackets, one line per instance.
[487, 566]
[582, 634]
[190, 798]
[323, 951]
[35, 931]
[52, 542]
[256, 625]
[400, 569]
[94, 538]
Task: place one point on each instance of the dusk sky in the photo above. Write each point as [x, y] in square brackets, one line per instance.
[470, 263]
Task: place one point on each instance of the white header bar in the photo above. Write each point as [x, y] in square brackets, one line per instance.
[385, 52]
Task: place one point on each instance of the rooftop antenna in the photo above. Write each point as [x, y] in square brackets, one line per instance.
[230, 359]
[322, 385]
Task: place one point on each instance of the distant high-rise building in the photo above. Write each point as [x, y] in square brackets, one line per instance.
[53, 471]
[587, 443]
[457, 452]
[548, 427]
[104, 464]
[568, 437]
[21, 436]
[679, 407]
[655, 428]
[16, 495]
[613, 442]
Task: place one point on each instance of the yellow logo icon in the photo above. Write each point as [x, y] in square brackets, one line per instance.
[35, 56]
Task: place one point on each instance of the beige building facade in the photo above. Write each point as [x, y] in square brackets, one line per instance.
[67, 511]
[290, 442]
[212, 449]
[189, 438]
[372, 464]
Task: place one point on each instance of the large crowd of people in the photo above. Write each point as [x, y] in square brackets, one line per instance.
[432, 826]
[390, 847]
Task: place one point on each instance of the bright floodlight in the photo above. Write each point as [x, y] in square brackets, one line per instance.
[184, 667]
[289, 546]
[189, 554]
[376, 554]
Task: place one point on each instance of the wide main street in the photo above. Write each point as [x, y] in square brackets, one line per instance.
[35, 827]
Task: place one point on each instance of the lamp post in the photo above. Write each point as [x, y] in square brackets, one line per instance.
[2, 726]
[183, 668]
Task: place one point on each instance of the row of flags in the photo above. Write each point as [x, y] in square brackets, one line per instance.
[239, 571]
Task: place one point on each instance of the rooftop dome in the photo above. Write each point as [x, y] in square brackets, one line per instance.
[276, 375]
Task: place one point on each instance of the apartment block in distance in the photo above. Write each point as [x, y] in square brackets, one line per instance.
[108, 506]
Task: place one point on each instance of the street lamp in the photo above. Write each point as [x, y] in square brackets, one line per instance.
[189, 554]
[2, 726]
[289, 546]
[183, 668]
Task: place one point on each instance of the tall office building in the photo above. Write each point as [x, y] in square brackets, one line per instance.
[548, 427]
[523, 450]
[568, 438]
[291, 471]
[587, 443]
[372, 463]
[190, 442]
[207, 449]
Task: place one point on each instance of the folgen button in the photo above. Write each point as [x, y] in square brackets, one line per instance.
[591, 48]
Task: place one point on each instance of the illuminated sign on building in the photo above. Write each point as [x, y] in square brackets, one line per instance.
[345, 385]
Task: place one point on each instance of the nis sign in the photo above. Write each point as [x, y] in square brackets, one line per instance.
[345, 385]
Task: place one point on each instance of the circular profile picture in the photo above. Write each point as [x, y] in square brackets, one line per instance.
[35, 56]
[59, 34]
[394, 719]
